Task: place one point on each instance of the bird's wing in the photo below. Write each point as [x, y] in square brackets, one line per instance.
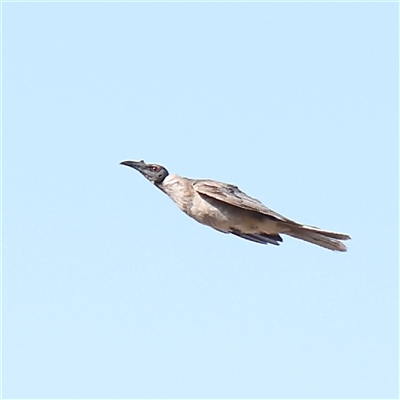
[232, 195]
[259, 238]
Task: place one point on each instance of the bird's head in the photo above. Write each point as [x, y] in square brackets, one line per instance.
[153, 172]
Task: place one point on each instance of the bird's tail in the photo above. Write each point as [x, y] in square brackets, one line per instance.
[312, 234]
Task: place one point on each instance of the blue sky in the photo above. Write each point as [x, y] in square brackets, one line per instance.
[109, 291]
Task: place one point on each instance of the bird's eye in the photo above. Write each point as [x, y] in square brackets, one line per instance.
[155, 168]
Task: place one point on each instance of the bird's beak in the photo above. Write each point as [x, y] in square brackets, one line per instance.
[134, 164]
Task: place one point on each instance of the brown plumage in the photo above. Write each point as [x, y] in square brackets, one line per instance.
[227, 209]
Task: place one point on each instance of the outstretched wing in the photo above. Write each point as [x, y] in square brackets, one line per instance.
[232, 195]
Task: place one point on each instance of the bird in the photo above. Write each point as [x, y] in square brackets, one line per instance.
[227, 209]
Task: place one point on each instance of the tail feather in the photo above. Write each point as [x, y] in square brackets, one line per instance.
[327, 239]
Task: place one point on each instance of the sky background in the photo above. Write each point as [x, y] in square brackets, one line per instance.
[109, 291]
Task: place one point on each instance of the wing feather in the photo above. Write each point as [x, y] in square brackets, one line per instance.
[259, 238]
[232, 195]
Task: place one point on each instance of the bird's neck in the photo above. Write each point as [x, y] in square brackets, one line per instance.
[178, 189]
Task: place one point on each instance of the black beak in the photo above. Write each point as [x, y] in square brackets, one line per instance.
[134, 164]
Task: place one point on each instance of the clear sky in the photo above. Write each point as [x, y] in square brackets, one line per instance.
[109, 291]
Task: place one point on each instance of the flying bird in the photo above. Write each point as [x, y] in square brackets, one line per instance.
[227, 209]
